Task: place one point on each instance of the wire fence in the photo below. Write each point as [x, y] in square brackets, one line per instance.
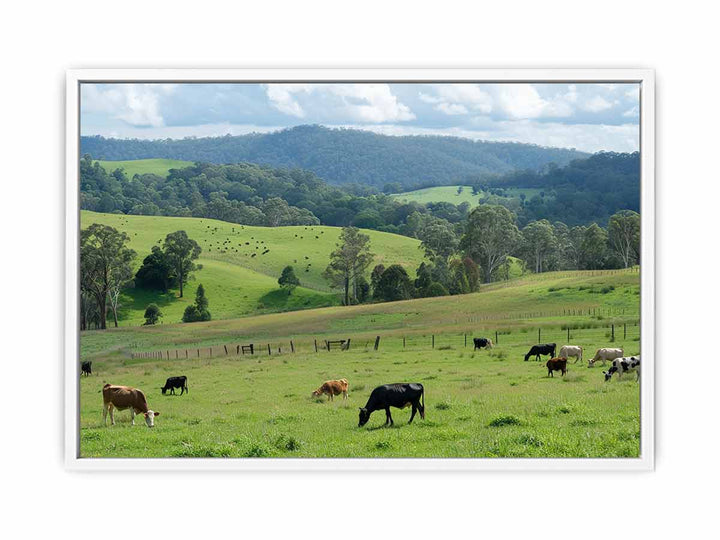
[598, 335]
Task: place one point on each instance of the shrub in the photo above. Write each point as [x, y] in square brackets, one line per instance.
[152, 314]
[505, 420]
[435, 289]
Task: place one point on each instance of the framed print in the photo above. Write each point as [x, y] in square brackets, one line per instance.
[360, 269]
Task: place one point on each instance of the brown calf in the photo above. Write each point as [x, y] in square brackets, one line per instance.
[333, 388]
[557, 364]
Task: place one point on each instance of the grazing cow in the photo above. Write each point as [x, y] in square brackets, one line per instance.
[566, 351]
[623, 365]
[126, 397]
[605, 354]
[333, 388]
[86, 368]
[557, 364]
[537, 350]
[482, 343]
[400, 395]
[175, 382]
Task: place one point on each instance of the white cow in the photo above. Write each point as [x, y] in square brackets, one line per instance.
[623, 365]
[605, 354]
[566, 351]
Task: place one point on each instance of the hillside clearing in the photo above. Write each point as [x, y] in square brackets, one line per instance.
[241, 264]
[160, 167]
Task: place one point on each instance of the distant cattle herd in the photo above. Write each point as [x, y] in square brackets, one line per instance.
[398, 395]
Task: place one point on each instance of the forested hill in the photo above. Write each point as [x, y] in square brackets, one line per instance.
[343, 156]
[584, 191]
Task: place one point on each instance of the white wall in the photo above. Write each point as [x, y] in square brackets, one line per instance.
[39, 43]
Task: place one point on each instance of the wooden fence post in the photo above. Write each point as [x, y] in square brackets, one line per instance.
[377, 342]
[403, 342]
[316, 346]
[210, 352]
[225, 349]
[496, 337]
[238, 350]
[568, 339]
[466, 340]
[269, 353]
[292, 346]
[198, 353]
[433, 341]
[347, 346]
[624, 330]
[612, 338]
[538, 335]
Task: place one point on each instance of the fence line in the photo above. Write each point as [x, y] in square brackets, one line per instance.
[609, 333]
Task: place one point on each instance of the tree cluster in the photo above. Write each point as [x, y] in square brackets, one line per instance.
[252, 195]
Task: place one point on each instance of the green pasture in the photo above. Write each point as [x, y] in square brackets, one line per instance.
[241, 264]
[478, 404]
[589, 298]
[450, 194]
[440, 194]
[160, 167]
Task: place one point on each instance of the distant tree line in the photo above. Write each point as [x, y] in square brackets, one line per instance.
[346, 156]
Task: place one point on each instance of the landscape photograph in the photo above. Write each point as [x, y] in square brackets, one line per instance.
[359, 270]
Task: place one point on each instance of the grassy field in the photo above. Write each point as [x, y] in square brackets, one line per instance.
[440, 194]
[479, 404]
[161, 167]
[450, 194]
[551, 299]
[241, 264]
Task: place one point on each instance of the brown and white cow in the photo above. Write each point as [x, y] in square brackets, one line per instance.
[333, 388]
[566, 351]
[605, 354]
[126, 397]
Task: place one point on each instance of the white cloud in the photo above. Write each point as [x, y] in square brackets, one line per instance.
[455, 99]
[136, 104]
[522, 101]
[597, 104]
[633, 112]
[633, 93]
[452, 108]
[355, 102]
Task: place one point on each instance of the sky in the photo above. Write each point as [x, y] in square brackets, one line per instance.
[590, 117]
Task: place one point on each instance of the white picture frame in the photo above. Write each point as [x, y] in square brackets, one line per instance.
[644, 77]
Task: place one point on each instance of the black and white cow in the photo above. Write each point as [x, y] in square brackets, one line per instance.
[623, 365]
[482, 343]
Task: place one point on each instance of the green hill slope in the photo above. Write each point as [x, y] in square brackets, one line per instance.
[241, 264]
[161, 167]
[581, 299]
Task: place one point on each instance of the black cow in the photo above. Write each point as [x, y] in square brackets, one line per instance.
[86, 368]
[481, 343]
[400, 395]
[537, 350]
[175, 382]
